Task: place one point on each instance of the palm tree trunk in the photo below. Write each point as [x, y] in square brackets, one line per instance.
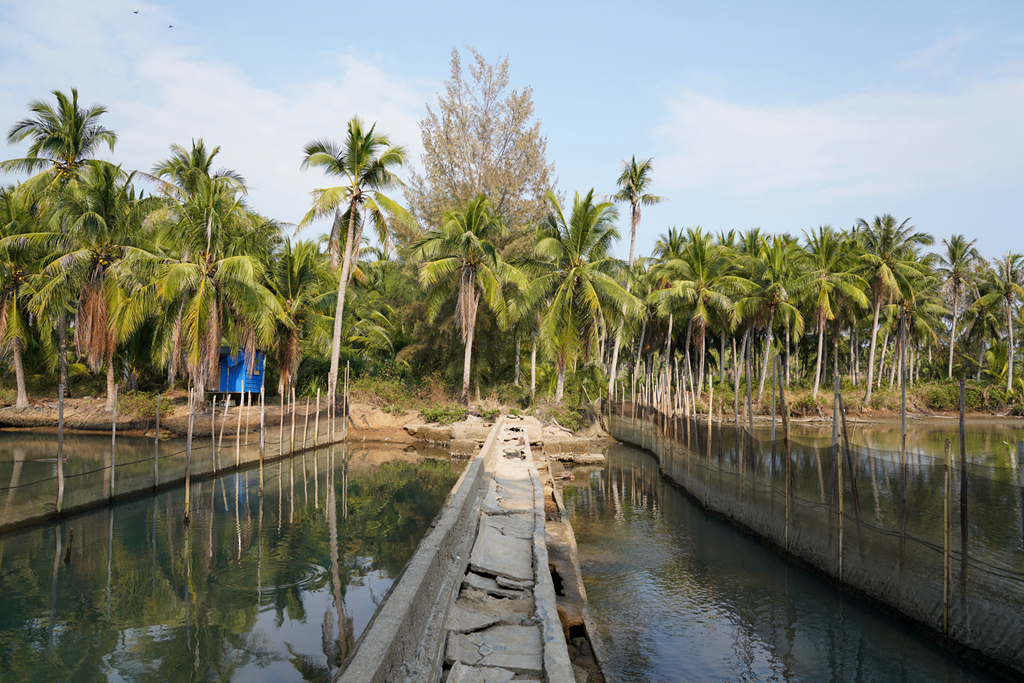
[515, 350]
[339, 309]
[111, 382]
[788, 345]
[700, 373]
[735, 371]
[1009, 349]
[467, 356]
[533, 369]
[767, 354]
[19, 376]
[689, 368]
[817, 364]
[640, 347]
[614, 367]
[952, 338]
[898, 352]
[668, 348]
[560, 387]
[871, 352]
[736, 382]
[62, 336]
[721, 359]
[835, 349]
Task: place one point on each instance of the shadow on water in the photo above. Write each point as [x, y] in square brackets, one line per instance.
[254, 589]
[680, 595]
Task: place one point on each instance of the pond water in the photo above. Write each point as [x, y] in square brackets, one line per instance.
[680, 595]
[256, 588]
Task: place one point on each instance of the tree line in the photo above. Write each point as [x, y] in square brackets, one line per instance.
[475, 270]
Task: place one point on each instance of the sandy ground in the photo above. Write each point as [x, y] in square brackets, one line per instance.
[88, 414]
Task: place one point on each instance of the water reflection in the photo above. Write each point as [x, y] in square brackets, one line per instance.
[679, 595]
[272, 588]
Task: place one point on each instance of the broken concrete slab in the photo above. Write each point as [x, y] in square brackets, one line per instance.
[513, 585]
[516, 648]
[515, 525]
[461, 673]
[499, 555]
[490, 586]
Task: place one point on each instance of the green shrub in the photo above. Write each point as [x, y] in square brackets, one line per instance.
[942, 396]
[489, 413]
[570, 418]
[445, 414]
[141, 405]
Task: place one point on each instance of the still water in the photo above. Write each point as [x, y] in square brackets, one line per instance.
[681, 596]
[271, 588]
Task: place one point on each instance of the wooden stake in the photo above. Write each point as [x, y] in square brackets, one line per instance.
[262, 431]
[188, 452]
[247, 411]
[750, 404]
[291, 443]
[1020, 476]
[947, 561]
[60, 447]
[849, 459]
[316, 428]
[213, 433]
[238, 433]
[280, 430]
[223, 422]
[305, 426]
[113, 445]
[963, 467]
[156, 447]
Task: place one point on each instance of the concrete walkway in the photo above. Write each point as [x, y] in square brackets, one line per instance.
[504, 624]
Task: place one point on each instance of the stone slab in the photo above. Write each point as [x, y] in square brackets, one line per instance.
[515, 648]
[499, 555]
[515, 525]
[461, 673]
[490, 586]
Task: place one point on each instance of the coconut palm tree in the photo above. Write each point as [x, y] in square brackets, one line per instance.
[633, 184]
[827, 281]
[205, 275]
[702, 282]
[956, 271]
[15, 291]
[888, 260]
[576, 250]
[63, 138]
[103, 220]
[364, 161]
[460, 258]
[300, 279]
[1006, 285]
[778, 258]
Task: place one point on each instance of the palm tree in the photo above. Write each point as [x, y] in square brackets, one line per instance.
[1006, 282]
[364, 161]
[577, 275]
[827, 282]
[957, 262]
[888, 261]
[103, 223]
[777, 260]
[668, 248]
[633, 184]
[15, 291]
[702, 281]
[205, 274]
[63, 138]
[302, 282]
[461, 258]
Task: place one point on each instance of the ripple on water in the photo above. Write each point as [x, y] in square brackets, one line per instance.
[270, 574]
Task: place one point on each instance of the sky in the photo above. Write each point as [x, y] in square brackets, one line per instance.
[783, 116]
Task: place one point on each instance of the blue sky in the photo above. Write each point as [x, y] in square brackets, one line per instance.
[783, 116]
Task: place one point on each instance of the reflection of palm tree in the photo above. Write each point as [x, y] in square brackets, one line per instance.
[957, 261]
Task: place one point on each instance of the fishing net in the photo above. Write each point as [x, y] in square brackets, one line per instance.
[872, 519]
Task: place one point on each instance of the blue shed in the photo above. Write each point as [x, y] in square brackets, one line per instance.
[234, 375]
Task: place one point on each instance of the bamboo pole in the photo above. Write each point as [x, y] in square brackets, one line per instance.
[316, 428]
[223, 423]
[156, 446]
[947, 560]
[213, 433]
[963, 467]
[785, 452]
[849, 459]
[280, 430]
[750, 404]
[839, 483]
[291, 444]
[188, 453]
[263, 442]
[1020, 475]
[60, 447]
[247, 411]
[305, 426]
[113, 445]
[238, 433]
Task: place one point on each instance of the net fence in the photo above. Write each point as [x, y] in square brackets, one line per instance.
[872, 519]
[97, 470]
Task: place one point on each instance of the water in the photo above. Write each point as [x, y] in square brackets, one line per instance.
[679, 595]
[254, 589]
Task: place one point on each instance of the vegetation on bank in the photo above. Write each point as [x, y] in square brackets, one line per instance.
[480, 283]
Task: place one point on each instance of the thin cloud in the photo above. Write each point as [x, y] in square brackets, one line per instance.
[160, 92]
[864, 145]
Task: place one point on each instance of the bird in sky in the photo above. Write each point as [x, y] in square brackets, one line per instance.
[135, 12]
[170, 26]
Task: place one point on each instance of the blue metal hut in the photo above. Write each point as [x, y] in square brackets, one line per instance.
[236, 376]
